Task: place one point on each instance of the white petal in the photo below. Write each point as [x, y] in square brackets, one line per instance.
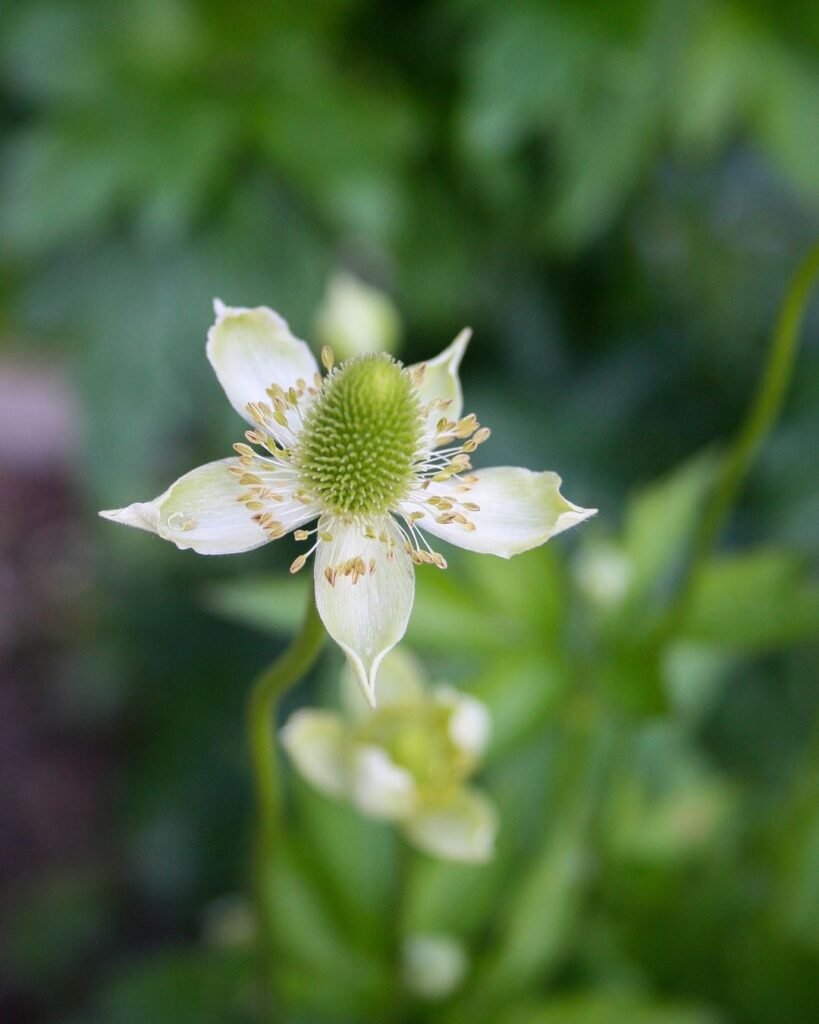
[441, 381]
[381, 788]
[316, 743]
[464, 829]
[365, 614]
[519, 510]
[200, 511]
[469, 724]
[144, 515]
[250, 349]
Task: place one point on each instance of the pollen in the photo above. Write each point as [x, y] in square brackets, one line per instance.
[360, 440]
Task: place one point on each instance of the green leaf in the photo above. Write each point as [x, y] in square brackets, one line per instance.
[660, 520]
[274, 604]
[753, 602]
[444, 897]
[356, 857]
[600, 1008]
[185, 986]
[540, 922]
[521, 693]
[312, 942]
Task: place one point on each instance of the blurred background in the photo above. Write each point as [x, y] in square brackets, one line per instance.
[615, 197]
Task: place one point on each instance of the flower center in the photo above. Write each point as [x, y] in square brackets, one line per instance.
[360, 439]
[418, 740]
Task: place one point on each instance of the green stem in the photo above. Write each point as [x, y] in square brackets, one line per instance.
[286, 670]
[761, 417]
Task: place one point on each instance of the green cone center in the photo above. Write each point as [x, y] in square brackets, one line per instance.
[360, 437]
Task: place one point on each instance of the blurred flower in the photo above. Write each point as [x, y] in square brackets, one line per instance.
[407, 762]
[373, 451]
[433, 965]
[356, 320]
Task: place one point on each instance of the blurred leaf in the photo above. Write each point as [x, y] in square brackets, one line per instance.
[313, 944]
[663, 803]
[599, 1008]
[521, 693]
[754, 601]
[57, 183]
[659, 522]
[180, 987]
[796, 832]
[357, 857]
[449, 898]
[693, 675]
[539, 922]
[51, 927]
[271, 603]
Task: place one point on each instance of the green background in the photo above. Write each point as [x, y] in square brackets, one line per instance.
[614, 196]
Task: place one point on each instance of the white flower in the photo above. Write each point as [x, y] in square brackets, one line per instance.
[407, 762]
[373, 453]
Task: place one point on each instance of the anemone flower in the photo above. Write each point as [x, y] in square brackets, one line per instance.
[374, 454]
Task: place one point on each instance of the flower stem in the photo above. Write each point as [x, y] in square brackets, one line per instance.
[286, 670]
[761, 417]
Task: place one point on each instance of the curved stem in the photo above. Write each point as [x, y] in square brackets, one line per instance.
[761, 416]
[286, 670]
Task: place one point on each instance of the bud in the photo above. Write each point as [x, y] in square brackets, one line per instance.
[355, 319]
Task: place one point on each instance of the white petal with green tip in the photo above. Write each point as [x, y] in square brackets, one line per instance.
[517, 510]
[315, 741]
[200, 511]
[440, 380]
[250, 349]
[463, 830]
[366, 613]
